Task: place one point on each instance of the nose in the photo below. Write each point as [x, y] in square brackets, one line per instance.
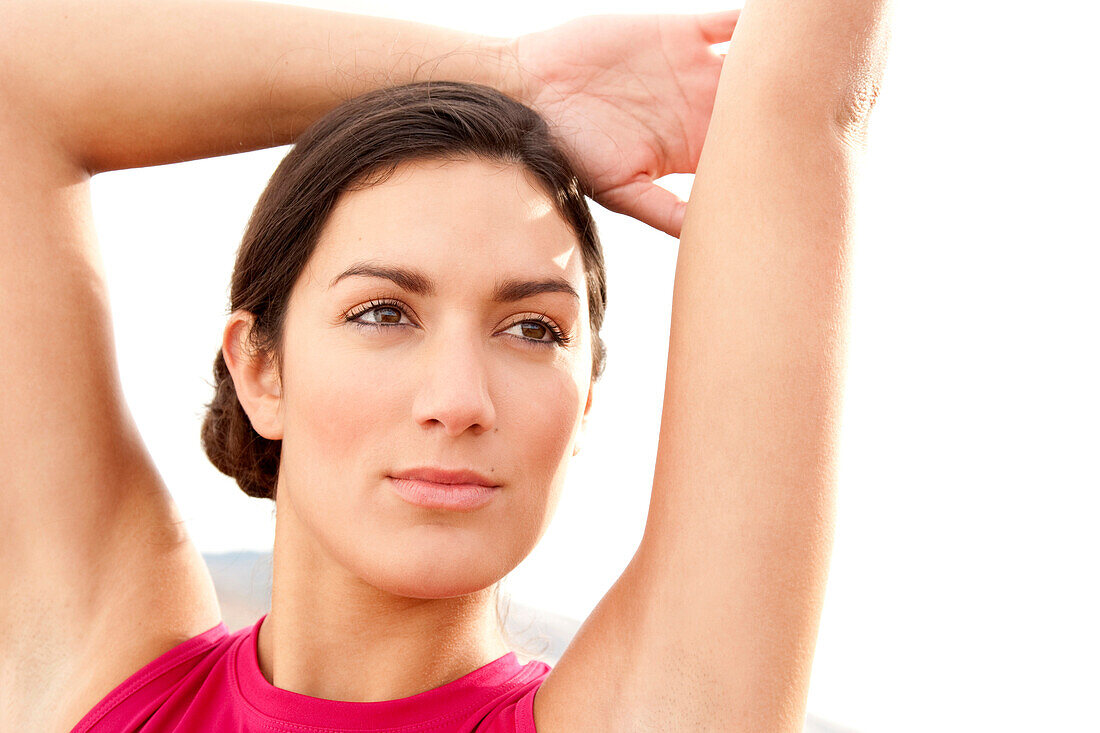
[454, 389]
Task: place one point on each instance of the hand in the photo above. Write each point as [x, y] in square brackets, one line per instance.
[629, 98]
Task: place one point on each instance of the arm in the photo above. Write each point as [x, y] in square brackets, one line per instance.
[97, 573]
[129, 83]
[713, 624]
[85, 518]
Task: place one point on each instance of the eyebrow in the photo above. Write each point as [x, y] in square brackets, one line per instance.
[417, 282]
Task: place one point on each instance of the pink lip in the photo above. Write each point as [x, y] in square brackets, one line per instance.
[449, 496]
[445, 476]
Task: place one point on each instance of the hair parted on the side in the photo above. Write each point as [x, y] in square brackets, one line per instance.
[357, 145]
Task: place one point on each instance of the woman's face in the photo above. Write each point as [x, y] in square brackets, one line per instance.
[431, 370]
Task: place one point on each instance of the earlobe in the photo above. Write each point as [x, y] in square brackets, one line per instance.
[255, 378]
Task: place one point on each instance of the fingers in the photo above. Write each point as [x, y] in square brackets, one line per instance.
[648, 203]
[718, 27]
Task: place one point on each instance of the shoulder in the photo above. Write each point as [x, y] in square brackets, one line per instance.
[511, 707]
[179, 673]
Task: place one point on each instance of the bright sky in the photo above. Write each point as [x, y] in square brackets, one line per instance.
[963, 591]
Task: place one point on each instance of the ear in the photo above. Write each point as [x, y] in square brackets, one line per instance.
[254, 377]
[584, 419]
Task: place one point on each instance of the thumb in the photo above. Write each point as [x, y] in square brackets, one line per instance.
[718, 27]
[648, 203]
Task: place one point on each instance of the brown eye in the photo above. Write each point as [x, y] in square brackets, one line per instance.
[386, 314]
[534, 330]
[378, 315]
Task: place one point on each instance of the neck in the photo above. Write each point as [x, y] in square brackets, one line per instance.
[332, 635]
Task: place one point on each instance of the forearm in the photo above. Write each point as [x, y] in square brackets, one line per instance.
[130, 83]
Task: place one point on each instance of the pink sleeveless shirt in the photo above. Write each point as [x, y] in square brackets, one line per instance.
[212, 682]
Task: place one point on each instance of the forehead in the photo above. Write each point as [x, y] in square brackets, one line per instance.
[467, 223]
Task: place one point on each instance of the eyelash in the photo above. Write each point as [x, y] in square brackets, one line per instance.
[559, 337]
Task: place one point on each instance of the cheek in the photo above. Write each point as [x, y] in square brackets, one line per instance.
[339, 416]
[343, 404]
[543, 416]
[337, 398]
[538, 415]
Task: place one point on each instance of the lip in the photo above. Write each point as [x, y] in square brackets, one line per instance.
[452, 477]
[450, 497]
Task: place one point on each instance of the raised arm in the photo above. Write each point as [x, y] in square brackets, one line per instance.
[130, 83]
[712, 626]
[97, 575]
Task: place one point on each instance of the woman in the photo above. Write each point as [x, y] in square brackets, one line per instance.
[430, 324]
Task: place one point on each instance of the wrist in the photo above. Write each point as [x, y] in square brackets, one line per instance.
[488, 60]
[514, 80]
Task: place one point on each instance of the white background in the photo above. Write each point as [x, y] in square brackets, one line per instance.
[963, 591]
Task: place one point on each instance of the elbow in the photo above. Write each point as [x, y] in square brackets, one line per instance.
[852, 115]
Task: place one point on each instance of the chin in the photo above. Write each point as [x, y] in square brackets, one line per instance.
[434, 566]
[438, 581]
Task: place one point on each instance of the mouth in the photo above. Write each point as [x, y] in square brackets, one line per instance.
[457, 497]
[446, 476]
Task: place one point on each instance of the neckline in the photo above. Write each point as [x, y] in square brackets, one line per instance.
[467, 693]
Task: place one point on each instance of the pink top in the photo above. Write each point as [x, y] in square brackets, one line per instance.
[212, 682]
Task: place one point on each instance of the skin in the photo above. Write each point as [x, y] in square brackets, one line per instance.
[375, 598]
[97, 574]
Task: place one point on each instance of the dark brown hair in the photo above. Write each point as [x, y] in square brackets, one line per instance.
[357, 145]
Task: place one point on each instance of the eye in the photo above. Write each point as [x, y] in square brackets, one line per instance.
[379, 315]
[540, 331]
[382, 314]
